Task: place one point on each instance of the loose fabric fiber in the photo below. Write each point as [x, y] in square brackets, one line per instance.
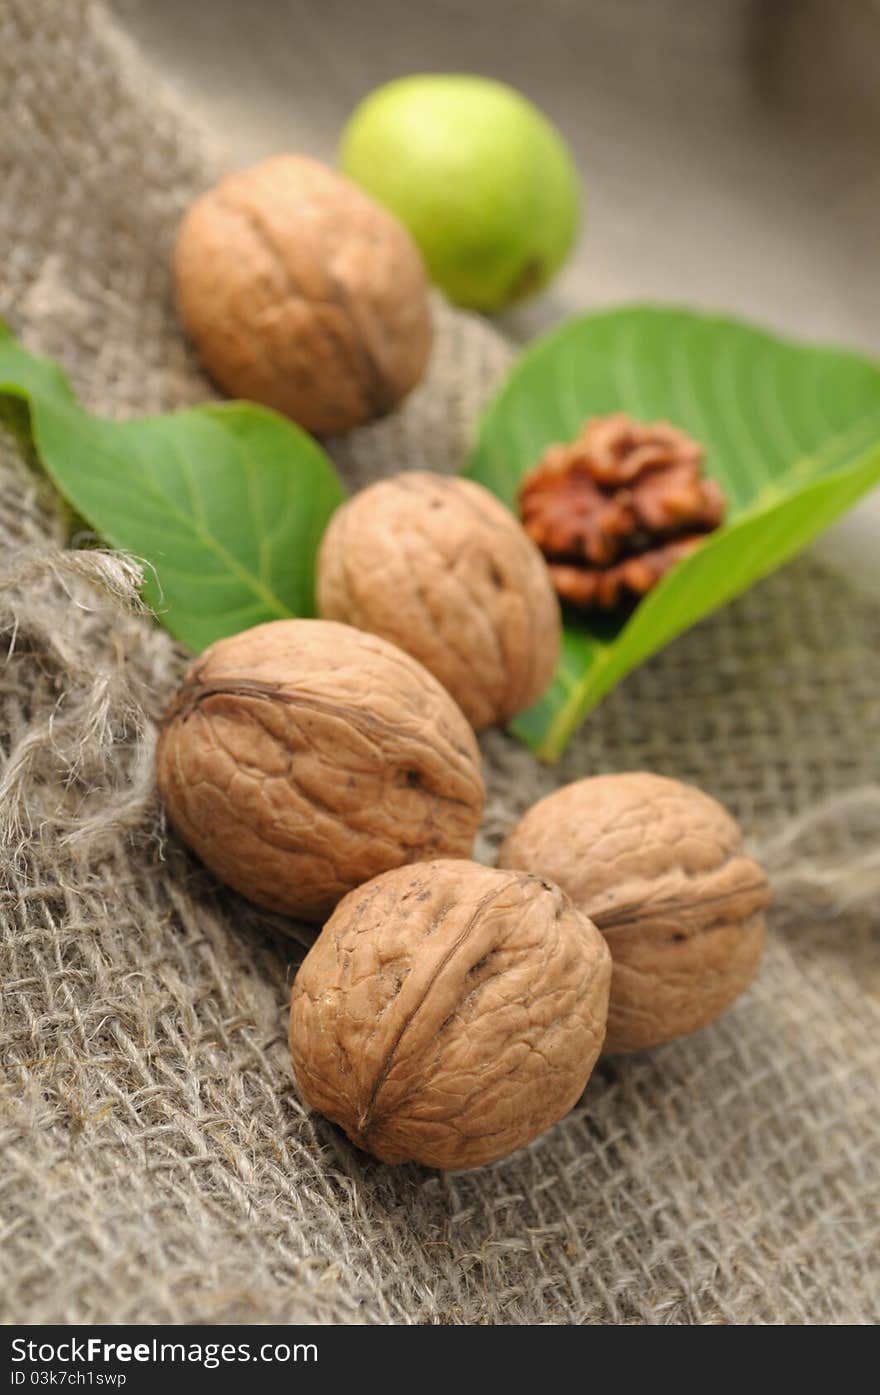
[157, 1163]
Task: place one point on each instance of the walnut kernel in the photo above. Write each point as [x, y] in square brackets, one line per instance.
[616, 508]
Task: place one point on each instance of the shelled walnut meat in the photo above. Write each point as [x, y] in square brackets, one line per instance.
[616, 508]
[440, 567]
[300, 758]
[301, 293]
[448, 1013]
[660, 868]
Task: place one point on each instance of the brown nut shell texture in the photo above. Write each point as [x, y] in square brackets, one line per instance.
[440, 567]
[660, 868]
[301, 293]
[301, 758]
[448, 1013]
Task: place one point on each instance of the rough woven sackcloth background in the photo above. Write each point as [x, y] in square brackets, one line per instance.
[157, 1164]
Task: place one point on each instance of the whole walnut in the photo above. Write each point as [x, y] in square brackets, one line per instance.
[660, 868]
[448, 1013]
[300, 758]
[300, 292]
[440, 567]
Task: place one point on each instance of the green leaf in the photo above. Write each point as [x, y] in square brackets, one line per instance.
[792, 433]
[226, 503]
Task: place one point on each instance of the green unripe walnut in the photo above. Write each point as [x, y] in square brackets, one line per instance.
[482, 180]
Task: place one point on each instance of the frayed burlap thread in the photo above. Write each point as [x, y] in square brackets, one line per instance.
[157, 1163]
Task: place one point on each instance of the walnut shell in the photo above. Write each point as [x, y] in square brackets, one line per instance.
[448, 1013]
[301, 758]
[440, 567]
[660, 868]
[300, 292]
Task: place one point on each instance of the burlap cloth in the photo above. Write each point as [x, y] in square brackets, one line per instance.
[155, 1162]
